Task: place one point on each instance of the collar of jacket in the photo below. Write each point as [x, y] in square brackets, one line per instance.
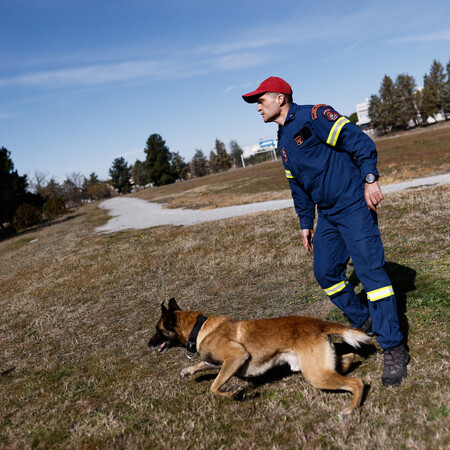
[192, 341]
[290, 116]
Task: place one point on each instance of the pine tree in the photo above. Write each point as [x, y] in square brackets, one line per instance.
[179, 167]
[12, 190]
[199, 164]
[405, 88]
[374, 112]
[120, 174]
[223, 158]
[429, 100]
[138, 173]
[390, 105]
[437, 79]
[446, 94]
[158, 167]
[213, 167]
[236, 153]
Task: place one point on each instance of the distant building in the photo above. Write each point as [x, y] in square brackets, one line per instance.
[364, 122]
[267, 146]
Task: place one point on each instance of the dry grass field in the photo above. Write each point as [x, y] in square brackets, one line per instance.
[78, 308]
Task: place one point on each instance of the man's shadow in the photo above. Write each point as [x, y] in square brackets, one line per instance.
[403, 280]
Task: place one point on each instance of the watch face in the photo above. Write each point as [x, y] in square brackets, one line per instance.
[370, 178]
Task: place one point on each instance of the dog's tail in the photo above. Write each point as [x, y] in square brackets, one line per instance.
[352, 336]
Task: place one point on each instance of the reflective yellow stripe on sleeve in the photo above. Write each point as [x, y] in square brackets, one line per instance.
[289, 174]
[335, 131]
[378, 294]
[336, 288]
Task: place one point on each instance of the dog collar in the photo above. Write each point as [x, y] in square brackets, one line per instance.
[192, 341]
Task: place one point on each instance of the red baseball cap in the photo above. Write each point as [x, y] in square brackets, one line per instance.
[271, 84]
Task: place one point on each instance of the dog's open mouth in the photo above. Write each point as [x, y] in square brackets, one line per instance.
[164, 347]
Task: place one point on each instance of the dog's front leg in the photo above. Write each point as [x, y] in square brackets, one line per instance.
[230, 366]
[202, 365]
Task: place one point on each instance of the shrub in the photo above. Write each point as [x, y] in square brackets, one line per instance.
[55, 207]
[26, 216]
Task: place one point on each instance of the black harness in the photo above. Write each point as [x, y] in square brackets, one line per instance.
[192, 341]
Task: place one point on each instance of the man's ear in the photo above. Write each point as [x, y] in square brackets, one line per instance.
[281, 100]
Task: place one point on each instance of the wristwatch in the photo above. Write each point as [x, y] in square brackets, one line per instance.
[370, 178]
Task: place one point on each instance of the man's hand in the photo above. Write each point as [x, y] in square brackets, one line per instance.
[373, 195]
[307, 237]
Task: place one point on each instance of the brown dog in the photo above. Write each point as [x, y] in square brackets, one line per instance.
[250, 348]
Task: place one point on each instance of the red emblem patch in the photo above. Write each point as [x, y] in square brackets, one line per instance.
[283, 152]
[330, 114]
[299, 140]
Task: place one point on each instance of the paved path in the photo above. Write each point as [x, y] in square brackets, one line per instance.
[133, 213]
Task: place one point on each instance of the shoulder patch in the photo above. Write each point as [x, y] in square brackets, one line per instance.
[314, 110]
[330, 114]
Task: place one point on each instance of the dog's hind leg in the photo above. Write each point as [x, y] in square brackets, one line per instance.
[235, 357]
[345, 361]
[318, 368]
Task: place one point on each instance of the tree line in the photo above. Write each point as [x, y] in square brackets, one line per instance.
[161, 166]
[25, 203]
[400, 105]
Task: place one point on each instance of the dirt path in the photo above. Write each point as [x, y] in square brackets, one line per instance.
[133, 213]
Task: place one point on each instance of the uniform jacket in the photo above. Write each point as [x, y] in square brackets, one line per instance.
[326, 159]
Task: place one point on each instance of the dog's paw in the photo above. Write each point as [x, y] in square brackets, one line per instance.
[185, 372]
[346, 414]
[231, 391]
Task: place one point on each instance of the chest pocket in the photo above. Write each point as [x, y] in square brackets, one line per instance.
[302, 136]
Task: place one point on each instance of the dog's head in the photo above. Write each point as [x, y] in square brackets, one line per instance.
[166, 336]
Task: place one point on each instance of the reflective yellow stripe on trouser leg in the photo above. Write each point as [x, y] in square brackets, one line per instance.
[381, 293]
[336, 288]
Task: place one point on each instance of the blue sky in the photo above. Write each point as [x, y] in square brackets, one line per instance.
[84, 82]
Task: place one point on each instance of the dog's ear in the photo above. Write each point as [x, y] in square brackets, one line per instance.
[173, 305]
[168, 317]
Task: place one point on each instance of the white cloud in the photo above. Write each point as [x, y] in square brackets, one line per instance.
[87, 76]
[443, 35]
[172, 66]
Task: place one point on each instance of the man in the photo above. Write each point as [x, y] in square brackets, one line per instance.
[331, 164]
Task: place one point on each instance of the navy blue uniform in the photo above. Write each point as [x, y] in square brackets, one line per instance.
[326, 159]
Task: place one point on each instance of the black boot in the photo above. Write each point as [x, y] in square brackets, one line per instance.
[367, 327]
[395, 362]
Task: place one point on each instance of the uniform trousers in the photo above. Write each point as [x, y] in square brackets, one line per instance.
[353, 232]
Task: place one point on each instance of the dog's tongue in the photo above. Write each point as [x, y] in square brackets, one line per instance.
[162, 346]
